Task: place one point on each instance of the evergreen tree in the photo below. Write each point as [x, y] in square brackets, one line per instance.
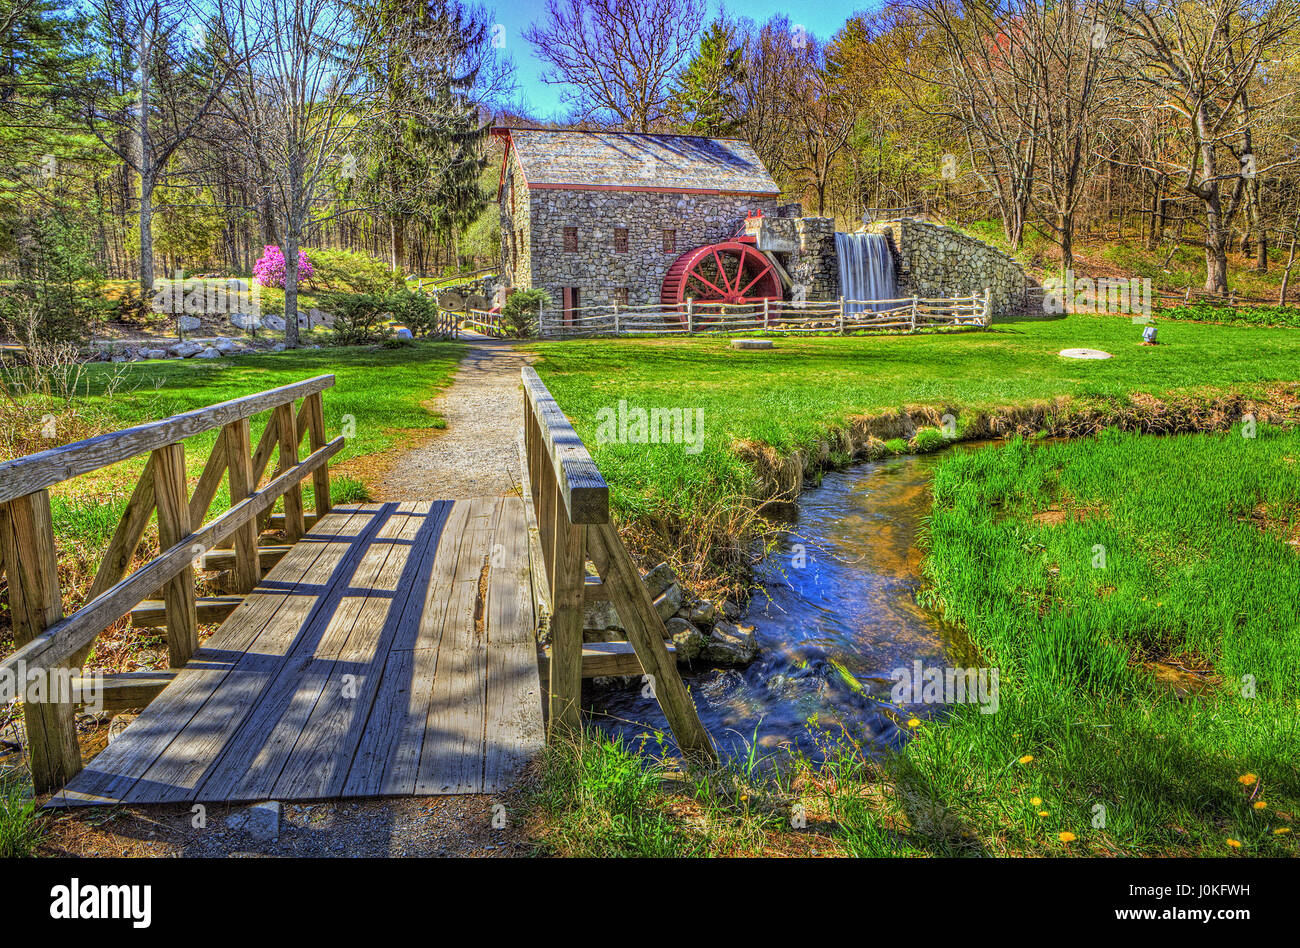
[703, 99]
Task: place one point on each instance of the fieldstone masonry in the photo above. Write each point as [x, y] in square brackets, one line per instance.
[934, 260]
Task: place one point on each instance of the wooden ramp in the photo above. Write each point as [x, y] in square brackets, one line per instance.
[391, 651]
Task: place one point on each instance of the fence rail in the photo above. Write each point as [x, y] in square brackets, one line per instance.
[47, 640]
[906, 314]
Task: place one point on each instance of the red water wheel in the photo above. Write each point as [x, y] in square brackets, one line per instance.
[732, 272]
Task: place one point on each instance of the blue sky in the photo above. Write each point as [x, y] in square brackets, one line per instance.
[820, 17]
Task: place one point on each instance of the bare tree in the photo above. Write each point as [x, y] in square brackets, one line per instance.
[299, 106]
[1205, 61]
[617, 58]
[158, 78]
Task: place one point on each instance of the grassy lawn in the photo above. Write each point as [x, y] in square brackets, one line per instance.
[791, 397]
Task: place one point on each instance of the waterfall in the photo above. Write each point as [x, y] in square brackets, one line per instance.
[866, 269]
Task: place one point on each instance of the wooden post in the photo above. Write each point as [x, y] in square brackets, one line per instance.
[320, 478]
[248, 567]
[170, 495]
[767, 314]
[568, 579]
[988, 305]
[287, 430]
[914, 301]
[842, 310]
[690, 314]
[35, 603]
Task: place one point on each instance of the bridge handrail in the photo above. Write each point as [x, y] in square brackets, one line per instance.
[46, 639]
[581, 486]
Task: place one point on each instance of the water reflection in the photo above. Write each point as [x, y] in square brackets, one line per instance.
[836, 614]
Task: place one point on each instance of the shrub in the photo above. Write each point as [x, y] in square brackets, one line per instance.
[270, 269]
[358, 318]
[519, 315]
[416, 311]
[56, 296]
[346, 271]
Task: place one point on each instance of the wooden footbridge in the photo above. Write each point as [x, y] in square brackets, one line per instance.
[364, 650]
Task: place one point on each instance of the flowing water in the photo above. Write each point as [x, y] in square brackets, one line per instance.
[837, 616]
[866, 269]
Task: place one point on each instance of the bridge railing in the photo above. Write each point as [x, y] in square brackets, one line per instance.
[568, 503]
[48, 641]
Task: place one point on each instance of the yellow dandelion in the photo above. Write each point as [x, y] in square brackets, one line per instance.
[1067, 837]
[1043, 813]
[1028, 758]
[1234, 843]
[1281, 831]
[1259, 805]
[1247, 780]
[1035, 801]
[913, 722]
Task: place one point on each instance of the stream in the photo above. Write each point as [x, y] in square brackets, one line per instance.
[836, 613]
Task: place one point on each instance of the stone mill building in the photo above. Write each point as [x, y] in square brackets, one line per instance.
[602, 219]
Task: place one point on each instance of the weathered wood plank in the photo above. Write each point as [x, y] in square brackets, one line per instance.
[314, 405]
[513, 720]
[294, 526]
[34, 472]
[569, 569]
[582, 489]
[120, 691]
[214, 469]
[247, 562]
[110, 777]
[152, 613]
[171, 497]
[451, 758]
[36, 603]
[266, 556]
[645, 630]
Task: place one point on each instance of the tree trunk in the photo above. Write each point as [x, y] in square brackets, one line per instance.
[147, 182]
[290, 251]
[397, 242]
[1065, 223]
[1290, 260]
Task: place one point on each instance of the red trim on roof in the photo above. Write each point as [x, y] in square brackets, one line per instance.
[620, 187]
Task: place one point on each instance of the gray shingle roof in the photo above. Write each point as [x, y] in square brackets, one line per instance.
[623, 160]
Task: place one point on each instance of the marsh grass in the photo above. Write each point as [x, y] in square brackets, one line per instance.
[20, 827]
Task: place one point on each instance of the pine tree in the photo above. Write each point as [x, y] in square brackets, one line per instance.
[703, 99]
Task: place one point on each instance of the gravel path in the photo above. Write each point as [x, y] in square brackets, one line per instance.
[477, 454]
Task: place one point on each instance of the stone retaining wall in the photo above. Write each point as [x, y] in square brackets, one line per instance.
[934, 260]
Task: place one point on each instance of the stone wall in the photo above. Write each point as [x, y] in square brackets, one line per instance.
[805, 246]
[933, 260]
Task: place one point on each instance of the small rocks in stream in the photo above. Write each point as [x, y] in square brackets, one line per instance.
[730, 644]
[659, 579]
[688, 640]
[668, 604]
[703, 613]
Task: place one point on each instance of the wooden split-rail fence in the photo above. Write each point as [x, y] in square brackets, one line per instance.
[364, 649]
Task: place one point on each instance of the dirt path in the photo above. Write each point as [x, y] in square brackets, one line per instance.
[477, 454]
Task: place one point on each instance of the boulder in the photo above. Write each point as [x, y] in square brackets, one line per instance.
[730, 644]
[245, 321]
[600, 616]
[659, 579]
[184, 350]
[703, 613]
[226, 346]
[319, 317]
[275, 323]
[209, 353]
[278, 347]
[189, 323]
[688, 640]
[154, 353]
[260, 821]
[668, 604]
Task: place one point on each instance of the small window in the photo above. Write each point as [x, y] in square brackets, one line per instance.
[620, 240]
[620, 296]
[570, 240]
[670, 241]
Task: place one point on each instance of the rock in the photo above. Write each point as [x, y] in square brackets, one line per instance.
[703, 613]
[209, 353]
[730, 609]
[260, 821]
[600, 616]
[184, 350]
[155, 353]
[226, 345]
[659, 579]
[319, 317]
[189, 323]
[245, 321]
[730, 644]
[668, 604]
[278, 347]
[275, 323]
[402, 333]
[688, 640]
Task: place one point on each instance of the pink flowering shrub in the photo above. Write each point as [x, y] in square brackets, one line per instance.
[270, 269]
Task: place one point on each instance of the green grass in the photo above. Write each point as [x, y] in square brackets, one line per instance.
[792, 396]
[1198, 572]
[1235, 315]
[20, 830]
